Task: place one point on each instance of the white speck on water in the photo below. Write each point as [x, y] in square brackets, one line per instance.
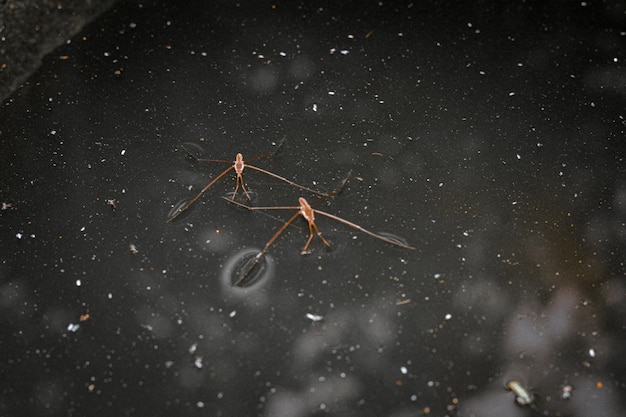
[82, 229]
[331, 93]
[73, 327]
[314, 317]
[109, 296]
[448, 316]
[18, 235]
[198, 362]
[233, 313]
[511, 94]
[592, 353]
[437, 276]
[314, 107]
[403, 370]
[133, 25]
[200, 404]
[78, 283]
[123, 152]
[518, 156]
[282, 53]
[344, 52]
[53, 132]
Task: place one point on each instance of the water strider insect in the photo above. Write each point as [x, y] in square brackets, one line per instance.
[238, 165]
[308, 212]
[522, 395]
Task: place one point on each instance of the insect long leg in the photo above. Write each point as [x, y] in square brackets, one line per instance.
[262, 253]
[313, 229]
[243, 187]
[357, 227]
[260, 208]
[268, 154]
[338, 190]
[302, 187]
[193, 200]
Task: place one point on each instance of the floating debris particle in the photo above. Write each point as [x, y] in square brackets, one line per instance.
[198, 362]
[522, 395]
[113, 203]
[314, 317]
[566, 392]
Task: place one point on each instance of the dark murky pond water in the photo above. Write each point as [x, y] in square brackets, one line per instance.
[490, 139]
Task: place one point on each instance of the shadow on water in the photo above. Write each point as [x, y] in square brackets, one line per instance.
[242, 275]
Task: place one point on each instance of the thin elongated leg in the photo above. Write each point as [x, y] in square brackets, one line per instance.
[313, 229]
[226, 161]
[269, 243]
[243, 187]
[302, 187]
[359, 228]
[260, 208]
[193, 200]
[263, 155]
[308, 213]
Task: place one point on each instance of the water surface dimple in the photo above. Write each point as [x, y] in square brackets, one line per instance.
[243, 273]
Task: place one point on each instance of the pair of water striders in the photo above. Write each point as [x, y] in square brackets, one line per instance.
[303, 208]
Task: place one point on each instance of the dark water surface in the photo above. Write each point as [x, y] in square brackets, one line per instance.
[490, 138]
